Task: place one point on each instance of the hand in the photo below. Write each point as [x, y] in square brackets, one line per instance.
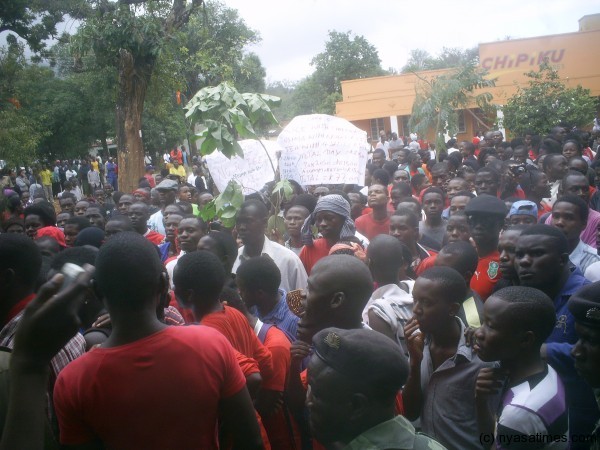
[299, 350]
[414, 341]
[470, 336]
[489, 382]
[102, 322]
[50, 320]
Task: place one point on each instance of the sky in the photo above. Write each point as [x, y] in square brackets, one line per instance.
[294, 31]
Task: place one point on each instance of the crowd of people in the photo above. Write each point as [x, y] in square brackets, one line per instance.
[453, 301]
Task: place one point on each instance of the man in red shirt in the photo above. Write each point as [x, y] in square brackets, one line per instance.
[486, 217]
[139, 215]
[149, 385]
[149, 176]
[176, 155]
[378, 220]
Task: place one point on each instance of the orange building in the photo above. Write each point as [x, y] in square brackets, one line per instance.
[385, 103]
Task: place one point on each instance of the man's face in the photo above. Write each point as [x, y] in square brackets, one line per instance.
[67, 205]
[138, 215]
[294, 219]
[171, 209]
[125, 203]
[485, 183]
[189, 233]
[488, 139]
[401, 176]
[71, 231]
[577, 185]
[95, 217]
[328, 403]
[403, 156]
[402, 230]
[329, 224]
[455, 186]
[559, 133]
[24, 197]
[507, 244]
[185, 194]
[497, 137]
[33, 223]
[458, 229]
[321, 191]
[166, 196]
[458, 203]
[587, 354]
[430, 307]
[557, 167]
[433, 205]
[99, 196]
[171, 224]
[250, 227]
[485, 228]
[439, 178]
[537, 262]
[496, 339]
[378, 159]
[570, 150]
[61, 219]
[520, 155]
[81, 207]
[377, 196]
[565, 217]
[316, 301]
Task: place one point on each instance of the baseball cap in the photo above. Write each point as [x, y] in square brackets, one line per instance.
[524, 207]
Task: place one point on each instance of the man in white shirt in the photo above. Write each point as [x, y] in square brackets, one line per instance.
[251, 224]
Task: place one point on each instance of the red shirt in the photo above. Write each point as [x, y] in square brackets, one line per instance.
[16, 309]
[427, 263]
[155, 238]
[486, 275]
[162, 391]
[234, 326]
[370, 227]
[310, 254]
[151, 180]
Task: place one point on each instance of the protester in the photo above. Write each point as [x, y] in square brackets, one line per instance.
[377, 221]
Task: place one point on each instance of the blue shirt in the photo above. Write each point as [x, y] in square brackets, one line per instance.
[281, 316]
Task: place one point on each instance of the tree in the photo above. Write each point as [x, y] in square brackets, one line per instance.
[420, 60]
[249, 75]
[130, 36]
[438, 100]
[345, 58]
[547, 102]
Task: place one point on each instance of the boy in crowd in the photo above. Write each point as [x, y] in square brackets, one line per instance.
[517, 321]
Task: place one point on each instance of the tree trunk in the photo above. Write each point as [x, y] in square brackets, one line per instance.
[134, 77]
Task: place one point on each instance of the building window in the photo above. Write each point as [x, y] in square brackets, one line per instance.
[376, 126]
[462, 126]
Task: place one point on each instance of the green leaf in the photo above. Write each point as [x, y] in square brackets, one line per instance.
[229, 212]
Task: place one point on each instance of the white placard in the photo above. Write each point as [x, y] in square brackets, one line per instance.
[252, 171]
[322, 149]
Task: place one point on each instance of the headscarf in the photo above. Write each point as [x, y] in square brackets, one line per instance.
[52, 232]
[336, 204]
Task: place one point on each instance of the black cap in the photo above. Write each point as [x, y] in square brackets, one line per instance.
[363, 356]
[486, 204]
[585, 305]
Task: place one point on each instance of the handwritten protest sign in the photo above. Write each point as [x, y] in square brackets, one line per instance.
[252, 171]
[322, 149]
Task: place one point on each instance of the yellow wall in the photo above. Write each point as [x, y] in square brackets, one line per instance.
[507, 61]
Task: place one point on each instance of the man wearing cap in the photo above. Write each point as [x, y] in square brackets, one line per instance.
[167, 190]
[486, 215]
[523, 212]
[584, 305]
[353, 378]
[149, 175]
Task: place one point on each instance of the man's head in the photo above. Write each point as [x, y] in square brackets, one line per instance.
[190, 231]
[440, 174]
[127, 286]
[67, 202]
[497, 137]
[458, 229]
[584, 305]
[460, 256]
[37, 216]
[555, 166]
[95, 214]
[433, 203]
[456, 185]
[520, 154]
[192, 291]
[72, 228]
[185, 194]
[294, 218]
[459, 202]
[466, 149]
[404, 226]
[486, 215]
[167, 191]
[438, 294]
[541, 256]
[251, 222]
[385, 258]
[81, 207]
[125, 203]
[487, 181]
[116, 225]
[353, 377]
[221, 244]
[339, 287]
[558, 133]
[516, 322]
[139, 214]
[523, 212]
[378, 157]
[378, 197]
[575, 183]
[258, 281]
[357, 204]
[331, 214]
[19, 268]
[570, 215]
[401, 175]
[507, 245]
[571, 148]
